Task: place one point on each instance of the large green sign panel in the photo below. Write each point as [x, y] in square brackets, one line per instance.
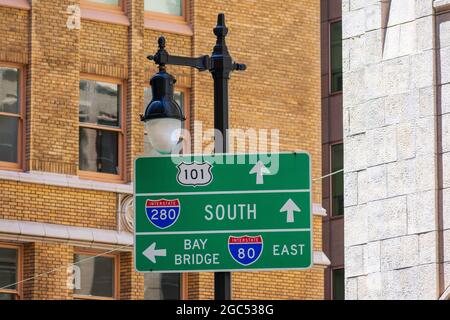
[223, 213]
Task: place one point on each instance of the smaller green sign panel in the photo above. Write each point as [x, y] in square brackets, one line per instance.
[223, 212]
[233, 251]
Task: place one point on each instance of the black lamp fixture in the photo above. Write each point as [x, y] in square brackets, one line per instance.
[163, 116]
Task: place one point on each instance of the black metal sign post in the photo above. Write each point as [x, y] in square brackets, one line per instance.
[220, 64]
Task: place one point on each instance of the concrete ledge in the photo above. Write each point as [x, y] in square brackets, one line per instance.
[441, 5]
[26, 231]
[63, 180]
[320, 259]
[318, 210]
[19, 4]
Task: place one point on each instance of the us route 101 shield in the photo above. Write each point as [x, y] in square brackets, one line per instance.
[223, 213]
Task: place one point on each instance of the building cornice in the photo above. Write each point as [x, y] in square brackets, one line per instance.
[27, 231]
[441, 5]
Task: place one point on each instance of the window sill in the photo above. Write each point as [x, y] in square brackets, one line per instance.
[19, 4]
[181, 28]
[107, 16]
[63, 180]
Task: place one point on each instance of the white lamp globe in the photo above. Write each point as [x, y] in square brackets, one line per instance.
[163, 134]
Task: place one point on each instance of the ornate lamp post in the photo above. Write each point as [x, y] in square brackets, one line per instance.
[163, 116]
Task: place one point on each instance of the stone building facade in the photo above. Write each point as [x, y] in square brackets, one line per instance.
[65, 199]
[396, 148]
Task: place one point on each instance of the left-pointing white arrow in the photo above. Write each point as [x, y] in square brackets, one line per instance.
[151, 252]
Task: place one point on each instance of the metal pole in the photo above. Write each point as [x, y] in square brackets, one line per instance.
[222, 65]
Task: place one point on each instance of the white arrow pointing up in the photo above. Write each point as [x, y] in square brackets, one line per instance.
[290, 207]
[151, 252]
[260, 170]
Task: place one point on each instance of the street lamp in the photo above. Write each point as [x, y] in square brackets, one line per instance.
[163, 135]
[163, 116]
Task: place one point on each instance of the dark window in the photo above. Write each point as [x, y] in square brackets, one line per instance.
[337, 180]
[10, 119]
[100, 118]
[162, 286]
[8, 273]
[338, 284]
[97, 276]
[336, 56]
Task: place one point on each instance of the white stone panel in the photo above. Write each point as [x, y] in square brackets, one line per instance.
[355, 149]
[424, 28]
[373, 46]
[351, 288]
[401, 11]
[427, 248]
[354, 261]
[422, 65]
[446, 208]
[445, 98]
[355, 226]
[406, 140]
[387, 218]
[446, 169]
[356, 52]
[401, 178]
[396, 76]
[373, 16]
[350, 189]
[375, 113]
[426, 102]
[372, 257]
[445, 64]
[425, 136]
[357, 119]
[425, 171]
[398, 253]
[353, 86]
[421, 212]
[445, 132]
[382, 145]
[372, 184]
[353, 23]
[444, 34]
[424, 8]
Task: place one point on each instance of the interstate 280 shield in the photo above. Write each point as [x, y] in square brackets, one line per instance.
[245, 250]
[162, 213]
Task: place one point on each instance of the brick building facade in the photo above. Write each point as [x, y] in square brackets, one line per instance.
[59, 205]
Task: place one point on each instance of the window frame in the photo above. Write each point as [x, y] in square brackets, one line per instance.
[121, 130]
[116, 276]
[187, 110]
[332, 280]
[104, 6]
[183, 286]
[20, 164]
[183, 19]
[333, 216]
[18, 292]
[330, 92]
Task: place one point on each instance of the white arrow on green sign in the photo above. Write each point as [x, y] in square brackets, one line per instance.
[210, 213]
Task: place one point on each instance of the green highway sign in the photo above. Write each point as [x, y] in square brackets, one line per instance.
[226, 212]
